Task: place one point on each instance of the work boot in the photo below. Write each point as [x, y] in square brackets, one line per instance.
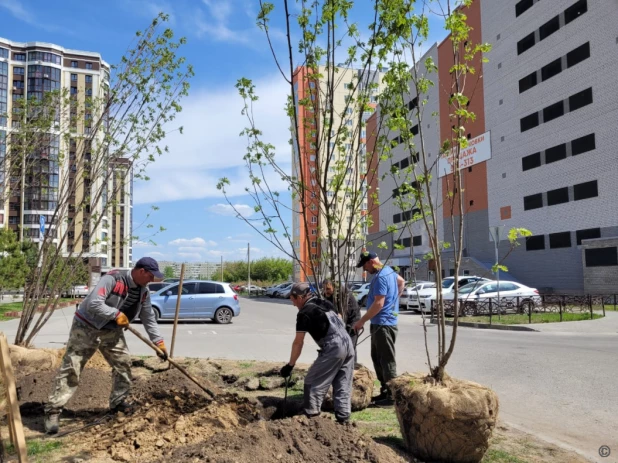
[52, 423]
[383, 395]
[385, 402]
[124, 407]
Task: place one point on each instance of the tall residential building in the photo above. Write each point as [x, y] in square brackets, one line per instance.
[28, 70]
[194, 270]
[546, 159]
[318, 159]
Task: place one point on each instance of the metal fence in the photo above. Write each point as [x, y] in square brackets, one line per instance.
[529, 305]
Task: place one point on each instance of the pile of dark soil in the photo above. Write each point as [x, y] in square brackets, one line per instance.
[294, 440]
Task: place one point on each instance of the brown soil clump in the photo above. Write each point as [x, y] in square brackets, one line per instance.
[292, 440]
[452, 421]
[362, 391]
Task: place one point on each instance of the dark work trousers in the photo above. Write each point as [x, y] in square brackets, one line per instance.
[383, 339]
[354, 337]
[334, 365]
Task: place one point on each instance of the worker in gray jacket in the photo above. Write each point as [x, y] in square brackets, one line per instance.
[335, 363]
[116, 301]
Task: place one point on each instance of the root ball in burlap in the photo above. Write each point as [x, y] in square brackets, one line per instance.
[362, 390]
[28, 361]
[450, 421]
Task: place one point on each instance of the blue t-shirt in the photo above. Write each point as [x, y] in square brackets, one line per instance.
[384, 283]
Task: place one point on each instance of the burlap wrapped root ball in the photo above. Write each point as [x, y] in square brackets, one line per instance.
[29, 361]
[362, 391]
[451, 421]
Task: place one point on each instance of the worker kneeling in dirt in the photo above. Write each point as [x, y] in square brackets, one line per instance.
[117, 300]
[335, 362]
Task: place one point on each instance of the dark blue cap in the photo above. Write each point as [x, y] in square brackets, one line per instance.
[365, 257]
[151, 265]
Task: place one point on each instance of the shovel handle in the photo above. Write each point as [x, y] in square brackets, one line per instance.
[172, 362]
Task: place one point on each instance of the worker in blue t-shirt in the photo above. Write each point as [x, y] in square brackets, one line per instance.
[382, 311]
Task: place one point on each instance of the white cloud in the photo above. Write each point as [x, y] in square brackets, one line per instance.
[141, 244]
[156, 254]
[226, 209]
[188, 242]
[211, 148]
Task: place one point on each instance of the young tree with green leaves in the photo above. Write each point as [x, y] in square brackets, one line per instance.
[103, 141]
[168, 272]
[13, 262]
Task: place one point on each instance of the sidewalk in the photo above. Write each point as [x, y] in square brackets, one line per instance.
[605, 325]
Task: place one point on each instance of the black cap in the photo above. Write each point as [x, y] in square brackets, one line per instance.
[151, 265]
[365, 257]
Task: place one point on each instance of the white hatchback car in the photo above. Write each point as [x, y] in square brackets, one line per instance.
[361, 293]
[514, 297]
[421, 301]
[412, 290]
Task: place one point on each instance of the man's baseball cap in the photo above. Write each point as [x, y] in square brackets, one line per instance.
[365, 257]
[151, 265]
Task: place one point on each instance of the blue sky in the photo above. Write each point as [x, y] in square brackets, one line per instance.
[224, 44]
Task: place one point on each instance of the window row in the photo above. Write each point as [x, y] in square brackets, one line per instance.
[581, 191]
[559, 152]
[405, 162]
[556, 110]
[404, 189]
[553, 25]
[405, 215]
[561, 239]
[554, 68]
[522, 6]
[408, 242]
[44, 56]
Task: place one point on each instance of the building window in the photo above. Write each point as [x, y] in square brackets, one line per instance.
[73, 64]
[19, 57]
[529, 122]
[585, 190]
[550, 70]
[74, 77]
[527, 82]
[578, 55]
[555, 153]
[73, 90]
[526, 43]
[549, 27]
[581, 99]
[397, 218]
[414, 130]
[533, 201]
[417, 240]
[535, 243]
[560, 240]
[4, 53]
[18, 71]
[522, 6]
[314, 244]
[530, 162]
[88, 65]
[314, 232]
[412, 104]
[314, 220]
[602, 257]
[575, 11]
[553, 111]
[558, 196]
[587, 234]
[583, 144]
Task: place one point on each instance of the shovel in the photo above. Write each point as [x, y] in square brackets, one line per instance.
[172, 362]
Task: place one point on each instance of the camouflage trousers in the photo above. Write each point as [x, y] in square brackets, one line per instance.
[84, 340]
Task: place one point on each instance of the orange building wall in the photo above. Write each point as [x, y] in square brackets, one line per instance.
[474, 179]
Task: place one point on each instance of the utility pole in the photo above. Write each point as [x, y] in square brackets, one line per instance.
[249, 269]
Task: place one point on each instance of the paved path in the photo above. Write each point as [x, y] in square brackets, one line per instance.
[557, 385]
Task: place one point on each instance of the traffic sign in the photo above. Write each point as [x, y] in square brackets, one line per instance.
[42, 222]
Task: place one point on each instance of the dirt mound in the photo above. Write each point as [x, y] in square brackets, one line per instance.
[451, 421]
[92, 394]
[293, 440]
[362, 391]
[27, 361]
[166, 383]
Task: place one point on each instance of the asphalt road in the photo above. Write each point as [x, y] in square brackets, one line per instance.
[556, 385]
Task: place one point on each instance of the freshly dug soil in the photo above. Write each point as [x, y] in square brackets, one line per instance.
[91, 396]
[292, 440]
[362, 391]
[451, 421]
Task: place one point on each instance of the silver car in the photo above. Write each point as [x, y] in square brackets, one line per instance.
[199, 299]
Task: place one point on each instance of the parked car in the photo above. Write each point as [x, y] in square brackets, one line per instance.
[254, 289]
[412, 290]
[274, 291]
[361, 293]
[200, 299]
[171, 280]
[154, 287]
[513, 297]
[77, 291]
[422, 300]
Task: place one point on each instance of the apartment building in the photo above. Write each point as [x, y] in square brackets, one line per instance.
[546, 107]
[315, 158]
[205, 270]
[28, 70]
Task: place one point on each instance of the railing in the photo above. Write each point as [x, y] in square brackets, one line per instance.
[530, 305]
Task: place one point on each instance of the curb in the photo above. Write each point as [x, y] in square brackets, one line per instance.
[487, 326]
[63, 305]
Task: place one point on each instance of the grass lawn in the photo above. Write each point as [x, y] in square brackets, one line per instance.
[18, 306]
[519, 319]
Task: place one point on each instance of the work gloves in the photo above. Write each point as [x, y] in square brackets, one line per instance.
[122, 320]
[286, 371]
[163, 354]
